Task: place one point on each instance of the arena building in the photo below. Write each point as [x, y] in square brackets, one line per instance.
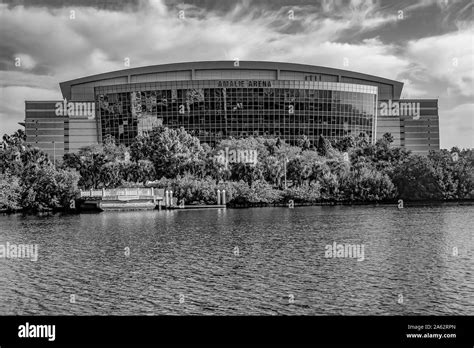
[221, 99]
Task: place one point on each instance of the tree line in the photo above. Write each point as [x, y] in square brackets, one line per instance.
[348, 170]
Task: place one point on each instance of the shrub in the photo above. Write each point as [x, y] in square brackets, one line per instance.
[303, 194]
[9, 192]
[45, 188]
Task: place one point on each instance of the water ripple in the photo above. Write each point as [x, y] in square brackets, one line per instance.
[185, 262]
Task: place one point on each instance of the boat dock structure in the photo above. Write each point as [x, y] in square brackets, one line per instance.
[147, 198]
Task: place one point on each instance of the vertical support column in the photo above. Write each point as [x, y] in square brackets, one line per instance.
[98, 117]
[171, 198]
[223, 197]
[374, 123]
[218, 197]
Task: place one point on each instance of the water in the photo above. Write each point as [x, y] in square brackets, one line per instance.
[185, 262]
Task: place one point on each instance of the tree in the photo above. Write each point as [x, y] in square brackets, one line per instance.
[299, 169]
[137, 172]
[110, 175]
[16, 139]
[46, 188]
[346, 143]
[274, 169]
[367, 184]
[141, 149]
[329, 186]
[191, 190]
[304, 143]
[278, 142]
[417, 179]
[99, 165]
[303, 194]
[213, 166]
[246, 172]
[388, 137]
[455, 174]
[295, 170]
[338, 166]
[323, 146]
[89, 163]
[260, 192]
[14, 158]
[172, 151]
[314, 166]
[361, 140]
[9, 192]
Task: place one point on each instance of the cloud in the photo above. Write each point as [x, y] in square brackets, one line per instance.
[25, 61]
[447, 57]
[73, 47]
[458, 126]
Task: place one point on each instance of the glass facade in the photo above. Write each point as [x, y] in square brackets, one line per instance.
[385, 91]
[216, 109]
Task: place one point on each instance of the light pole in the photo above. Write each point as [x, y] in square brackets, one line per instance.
[284, 168]
[54, 153]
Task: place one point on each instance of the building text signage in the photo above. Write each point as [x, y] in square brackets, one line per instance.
[244, 83]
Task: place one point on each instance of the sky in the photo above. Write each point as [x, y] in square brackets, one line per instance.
[427, 44]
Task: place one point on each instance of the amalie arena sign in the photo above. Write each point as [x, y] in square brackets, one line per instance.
[244, 83]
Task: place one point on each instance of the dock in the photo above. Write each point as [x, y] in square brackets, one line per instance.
[121, 199]
[138, 199]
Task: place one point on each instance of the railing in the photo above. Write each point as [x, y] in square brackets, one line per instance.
[124, 192]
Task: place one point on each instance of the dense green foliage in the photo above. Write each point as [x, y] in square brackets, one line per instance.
[349, 170]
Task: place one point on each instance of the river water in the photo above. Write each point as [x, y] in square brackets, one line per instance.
[258, 261]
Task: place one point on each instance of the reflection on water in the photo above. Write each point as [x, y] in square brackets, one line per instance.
[186, 262]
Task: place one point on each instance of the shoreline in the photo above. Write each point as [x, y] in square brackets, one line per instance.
[406, 204]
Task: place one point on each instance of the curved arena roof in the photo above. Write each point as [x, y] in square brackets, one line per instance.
[225, 70]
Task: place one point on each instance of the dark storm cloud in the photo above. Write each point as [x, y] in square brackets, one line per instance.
[111, 5]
